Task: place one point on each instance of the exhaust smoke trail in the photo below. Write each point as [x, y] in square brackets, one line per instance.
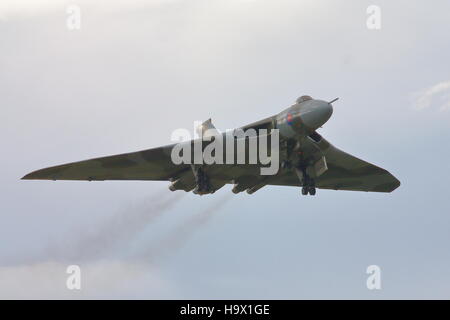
[120, 228]
[105, 237]
[91, 248]
[184, 231]
[95, 251]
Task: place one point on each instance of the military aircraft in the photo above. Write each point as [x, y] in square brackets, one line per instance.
[306, 160]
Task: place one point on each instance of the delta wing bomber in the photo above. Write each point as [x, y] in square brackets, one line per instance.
[282, 150]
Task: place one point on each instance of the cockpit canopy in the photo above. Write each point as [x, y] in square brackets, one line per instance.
[303, 99]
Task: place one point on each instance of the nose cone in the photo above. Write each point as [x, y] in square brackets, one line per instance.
[316, 116]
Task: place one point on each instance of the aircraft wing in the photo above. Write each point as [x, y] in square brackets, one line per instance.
[152, 164]
[345, 172]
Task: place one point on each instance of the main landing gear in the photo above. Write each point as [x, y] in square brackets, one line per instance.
[202, 185]
[307, 183]
[310, 190]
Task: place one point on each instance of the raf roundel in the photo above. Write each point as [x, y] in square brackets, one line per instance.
[289, 119]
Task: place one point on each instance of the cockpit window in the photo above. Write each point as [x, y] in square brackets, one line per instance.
[303, 99]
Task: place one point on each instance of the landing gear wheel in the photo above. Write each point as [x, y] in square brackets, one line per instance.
[305, 191]
[308, 184]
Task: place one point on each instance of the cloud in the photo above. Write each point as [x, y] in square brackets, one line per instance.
[436, 94]
[100, 279]
[43, 275]
[25, 8]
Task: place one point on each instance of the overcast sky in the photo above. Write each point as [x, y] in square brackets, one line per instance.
[137, 70]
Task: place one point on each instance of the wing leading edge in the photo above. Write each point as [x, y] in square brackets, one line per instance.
[151, 164]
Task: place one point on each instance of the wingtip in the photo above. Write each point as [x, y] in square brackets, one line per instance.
[28, 176]
[37, 175]
[395, 185]
[398, 184]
